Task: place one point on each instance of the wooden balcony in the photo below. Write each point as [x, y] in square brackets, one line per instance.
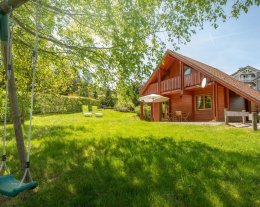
[175, 83]
[192, 80]
[170, 84]
[152, 89]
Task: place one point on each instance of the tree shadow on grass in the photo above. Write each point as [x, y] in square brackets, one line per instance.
[140, 172]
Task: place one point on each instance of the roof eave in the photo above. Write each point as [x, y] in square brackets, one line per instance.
[245, 95]
[156, 69]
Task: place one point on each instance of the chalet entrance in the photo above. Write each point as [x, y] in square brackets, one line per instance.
[155, 100]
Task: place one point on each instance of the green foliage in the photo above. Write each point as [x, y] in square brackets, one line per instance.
[110, 42]
[127, 96]
[90, 107]
[2, 104]
[121, 161]
[147, 112]
[108, 99]
[95, 95]
[124, 104]
[23, 107]
[46, 104]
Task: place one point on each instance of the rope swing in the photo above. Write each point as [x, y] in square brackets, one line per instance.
[9, 186]
[34, 67]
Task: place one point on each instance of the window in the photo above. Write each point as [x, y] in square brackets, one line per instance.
[207, 102]
[203, 102]
[200, 102]
[187, 71]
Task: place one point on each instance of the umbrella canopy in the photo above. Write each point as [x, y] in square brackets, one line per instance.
[153, 98]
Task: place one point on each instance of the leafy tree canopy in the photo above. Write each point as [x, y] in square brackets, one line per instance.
[117, 41]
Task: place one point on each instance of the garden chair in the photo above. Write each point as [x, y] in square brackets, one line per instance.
[86, 111]
[165, 117]
[179, 115]
[96, 112]
[185, 116]
[173, 117]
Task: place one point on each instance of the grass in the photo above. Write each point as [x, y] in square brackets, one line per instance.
[119, 160]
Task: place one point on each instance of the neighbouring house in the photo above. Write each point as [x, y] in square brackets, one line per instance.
[248, 75]
[180, 79]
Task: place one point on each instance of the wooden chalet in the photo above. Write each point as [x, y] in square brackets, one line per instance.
[180, 79]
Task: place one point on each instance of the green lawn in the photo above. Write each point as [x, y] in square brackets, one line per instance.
[119, 160]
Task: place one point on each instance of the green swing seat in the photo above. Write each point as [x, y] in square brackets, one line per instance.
[11, 187]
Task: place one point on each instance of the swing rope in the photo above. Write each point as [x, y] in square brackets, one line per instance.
[34, 67]
[9, 185]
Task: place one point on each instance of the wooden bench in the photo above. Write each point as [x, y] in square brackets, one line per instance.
[254, 117]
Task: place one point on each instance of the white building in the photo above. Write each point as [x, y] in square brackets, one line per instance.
[249, 75]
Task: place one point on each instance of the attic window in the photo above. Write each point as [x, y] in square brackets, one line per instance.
[187, 71]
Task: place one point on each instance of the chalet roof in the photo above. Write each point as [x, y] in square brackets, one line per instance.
[246, 68]
[217, 75]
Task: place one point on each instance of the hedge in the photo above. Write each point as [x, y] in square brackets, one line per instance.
[47, 103]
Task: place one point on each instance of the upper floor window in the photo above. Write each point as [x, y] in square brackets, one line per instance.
[247, 76]
[187, 71]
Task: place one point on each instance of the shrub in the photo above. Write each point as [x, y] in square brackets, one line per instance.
[138, 111]
[147, 112]
[124, 106]
[62, 104]
[47, 103]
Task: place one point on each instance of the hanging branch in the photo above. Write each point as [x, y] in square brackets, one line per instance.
[7, 6]
[56, 41]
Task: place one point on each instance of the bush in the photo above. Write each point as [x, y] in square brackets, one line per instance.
[124, 106]
[47, 103]
[138, 110]
[61, 104]
[147, 112]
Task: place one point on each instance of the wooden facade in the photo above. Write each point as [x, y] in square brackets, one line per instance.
[180, 80]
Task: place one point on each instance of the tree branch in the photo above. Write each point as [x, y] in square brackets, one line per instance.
[7, 6]
[41, 50]
[57, 42]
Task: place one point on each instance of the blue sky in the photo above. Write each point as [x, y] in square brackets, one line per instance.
[234, 44]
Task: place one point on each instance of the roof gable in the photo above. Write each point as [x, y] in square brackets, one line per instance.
[217, 75]
[245, 70]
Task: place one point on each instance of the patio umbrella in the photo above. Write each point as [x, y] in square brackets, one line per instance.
[153, 98]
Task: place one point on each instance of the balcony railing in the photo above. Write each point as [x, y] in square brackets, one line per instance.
[247, 79]
[192, 80]
[153, 88]
[175, 83]
[170, 84]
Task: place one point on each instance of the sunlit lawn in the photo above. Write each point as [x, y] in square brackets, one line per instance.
[119, 160]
